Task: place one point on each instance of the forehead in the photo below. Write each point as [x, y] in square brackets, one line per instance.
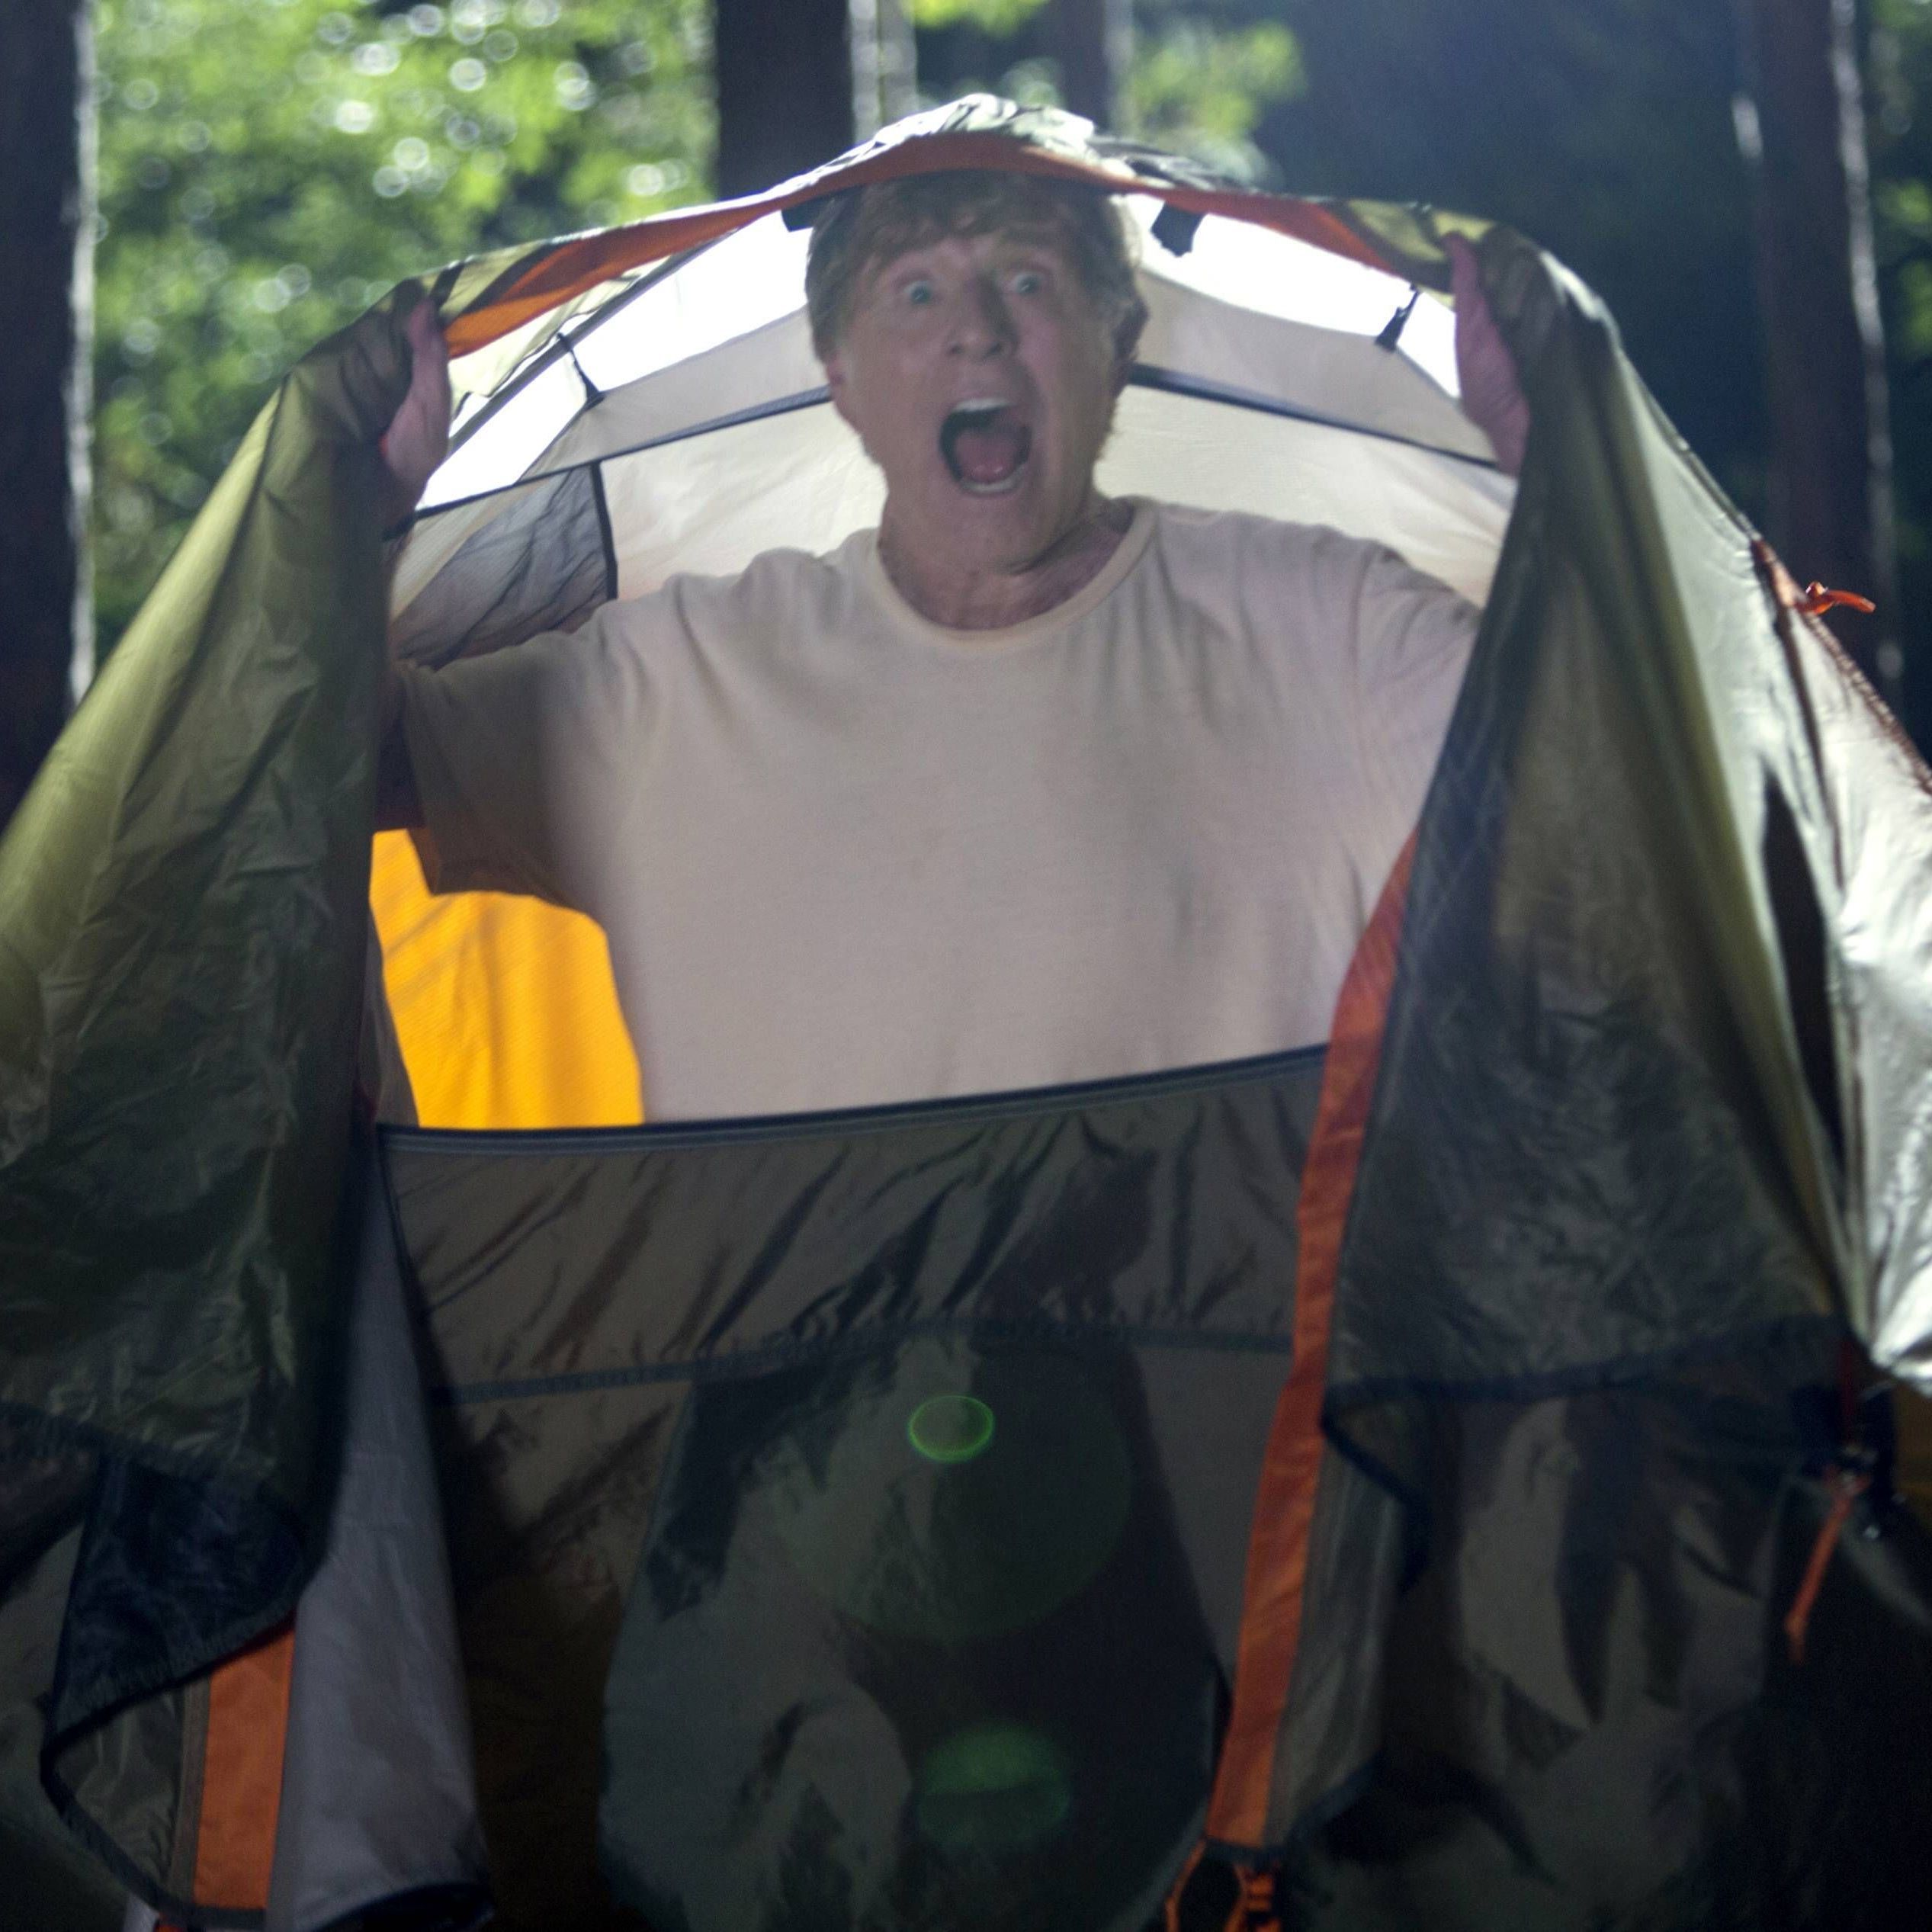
[1035, 234]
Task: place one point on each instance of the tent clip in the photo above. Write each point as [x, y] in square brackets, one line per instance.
[1815, 599]
[1254, 1910]
[592, 393]
[1820, 598]
[804, 214]
[1175, 229]
[1392, 328]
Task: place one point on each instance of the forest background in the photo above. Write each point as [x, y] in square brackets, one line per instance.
[267, 168]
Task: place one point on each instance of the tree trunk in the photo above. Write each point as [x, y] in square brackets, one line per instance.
[885, 63]
[1095, 43]
[46, 257]
[1830, 487]
[784, 89]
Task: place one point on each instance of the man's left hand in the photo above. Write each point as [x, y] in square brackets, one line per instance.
[1492, 397]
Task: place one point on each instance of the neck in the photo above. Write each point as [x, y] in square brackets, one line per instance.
[997, 597]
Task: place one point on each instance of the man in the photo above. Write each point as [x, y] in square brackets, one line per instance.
[1028, 786]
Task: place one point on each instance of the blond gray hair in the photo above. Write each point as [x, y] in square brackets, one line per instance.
[871, 225]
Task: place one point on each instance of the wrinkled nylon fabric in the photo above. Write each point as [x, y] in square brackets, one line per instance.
[179, 978]
[185, 895]
[939, 1667]
[1109, 1271]
[185, 892]
[377, 1794]
[1594, 1154]
[1591, 1719]
[52, 1879]
[1590, 1141]
[687, 1523]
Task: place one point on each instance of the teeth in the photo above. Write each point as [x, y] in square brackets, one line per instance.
[981, 409]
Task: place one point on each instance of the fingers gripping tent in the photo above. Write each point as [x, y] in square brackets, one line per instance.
[1440, 1476]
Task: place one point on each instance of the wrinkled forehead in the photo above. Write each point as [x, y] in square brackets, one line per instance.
[1041, 231]
[863, 234]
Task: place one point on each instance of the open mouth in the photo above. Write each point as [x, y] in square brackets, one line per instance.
[986, 446]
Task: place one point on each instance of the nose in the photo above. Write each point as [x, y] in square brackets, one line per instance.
[982, 325]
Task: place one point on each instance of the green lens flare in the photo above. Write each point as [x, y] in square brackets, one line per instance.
[950, 1428]
[993, 1788]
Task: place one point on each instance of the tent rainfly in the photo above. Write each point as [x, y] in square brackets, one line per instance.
[1441, 1477]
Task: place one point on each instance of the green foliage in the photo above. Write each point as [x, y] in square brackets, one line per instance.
[989, 16]
[1902, 157]
[1900, 130]
[1205, 72]
[268, 167]
[1202, 85]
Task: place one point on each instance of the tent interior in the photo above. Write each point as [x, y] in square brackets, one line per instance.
[676, 420]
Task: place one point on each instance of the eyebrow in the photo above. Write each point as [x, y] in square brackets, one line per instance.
[1045, 242]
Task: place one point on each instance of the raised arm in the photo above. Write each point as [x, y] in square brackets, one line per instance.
[1492, 396]
[415, 442]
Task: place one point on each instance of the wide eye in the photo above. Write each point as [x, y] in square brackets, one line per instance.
[920, 293]
[1028, 281]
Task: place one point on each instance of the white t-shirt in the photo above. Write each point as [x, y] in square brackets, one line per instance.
[844, 856]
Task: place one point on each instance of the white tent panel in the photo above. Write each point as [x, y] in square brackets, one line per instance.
[681, 311]
[765, 366]
[1446, 516]
[711, 503]
[510, 441]
[725, 332]
[1332, 373]
[1275, 275]
[722, 292]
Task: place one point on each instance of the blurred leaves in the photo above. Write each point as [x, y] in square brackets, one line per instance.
[989, 16]
[268, 167]
[1205, 72]
[1901, 156]
[1901, 109]
[1202, 85]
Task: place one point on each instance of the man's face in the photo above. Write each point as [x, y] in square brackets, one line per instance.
[979, 375]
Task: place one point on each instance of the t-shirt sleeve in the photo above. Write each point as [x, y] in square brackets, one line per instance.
[1413, 636]
[528, 761]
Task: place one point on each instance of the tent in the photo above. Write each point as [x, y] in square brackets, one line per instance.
[1447, 1476]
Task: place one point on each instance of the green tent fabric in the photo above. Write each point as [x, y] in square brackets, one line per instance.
[1656, 1001]
[1643, 1147]
[182, 922]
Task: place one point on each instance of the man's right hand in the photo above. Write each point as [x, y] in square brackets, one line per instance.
[418, 437]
